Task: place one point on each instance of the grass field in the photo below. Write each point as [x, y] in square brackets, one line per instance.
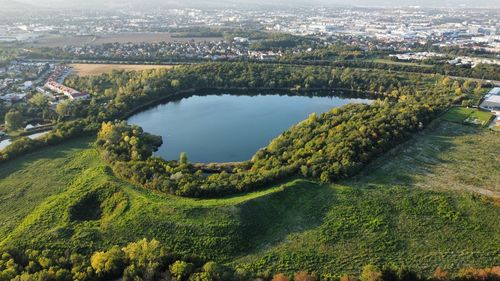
[449, 157]
[88, 69]
[413, 207]
[468, 116]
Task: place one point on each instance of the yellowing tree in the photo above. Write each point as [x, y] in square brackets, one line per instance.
[280, 277]
[108, 263]
[370, 273]
[304, 276]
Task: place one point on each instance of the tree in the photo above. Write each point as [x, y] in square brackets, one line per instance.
[304, 276]
[144, 253]
[200, 276]
[347, 278]
[370, 273]
[176, 84]
[440, 275]
[181, 270]
[108, 263]
[62, 108]
[14, 120]
[183, 159]
[214, 270]
[40, 101]
[145, 258]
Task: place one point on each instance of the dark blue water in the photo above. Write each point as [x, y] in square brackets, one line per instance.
[227, 128]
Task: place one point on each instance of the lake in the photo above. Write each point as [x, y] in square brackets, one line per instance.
[227, 128]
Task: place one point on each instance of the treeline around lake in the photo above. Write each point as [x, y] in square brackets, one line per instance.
[327, 147]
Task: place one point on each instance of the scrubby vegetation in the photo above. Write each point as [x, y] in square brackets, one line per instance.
[148, 260]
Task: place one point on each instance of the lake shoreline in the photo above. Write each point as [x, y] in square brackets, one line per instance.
[223, 126]
[344, 93]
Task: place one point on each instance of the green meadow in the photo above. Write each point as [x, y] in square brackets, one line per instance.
[433, 201]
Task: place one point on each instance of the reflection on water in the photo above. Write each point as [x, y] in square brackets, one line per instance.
[227, 128]
[6, 142]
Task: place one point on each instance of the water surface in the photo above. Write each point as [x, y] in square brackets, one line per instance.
[227, 128]
[6, 142]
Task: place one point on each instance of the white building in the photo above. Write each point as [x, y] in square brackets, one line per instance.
[492, 100]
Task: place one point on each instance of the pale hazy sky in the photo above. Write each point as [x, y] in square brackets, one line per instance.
[219, 3]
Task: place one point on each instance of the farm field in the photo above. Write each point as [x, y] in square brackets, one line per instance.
[136, 37]
[60, 41]
[146, 37]
[88, 69]
[422, 205]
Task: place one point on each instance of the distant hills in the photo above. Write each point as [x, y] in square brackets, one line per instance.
[10, 5]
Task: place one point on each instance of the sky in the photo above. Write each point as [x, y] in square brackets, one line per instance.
[261, 3]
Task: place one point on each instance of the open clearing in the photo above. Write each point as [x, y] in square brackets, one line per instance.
[468, 116]
[419, 206]
[89, 69]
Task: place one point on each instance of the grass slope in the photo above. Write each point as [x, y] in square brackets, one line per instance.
[408, 208]
[29, 180]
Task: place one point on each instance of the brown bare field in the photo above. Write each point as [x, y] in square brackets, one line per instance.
[87, 69]
[146, 37]
[60, 41]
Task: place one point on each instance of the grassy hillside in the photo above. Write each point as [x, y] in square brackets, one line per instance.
[418, 206]
[30, 180]
[408, 207]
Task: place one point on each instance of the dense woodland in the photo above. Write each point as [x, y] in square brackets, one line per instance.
[149, 260]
